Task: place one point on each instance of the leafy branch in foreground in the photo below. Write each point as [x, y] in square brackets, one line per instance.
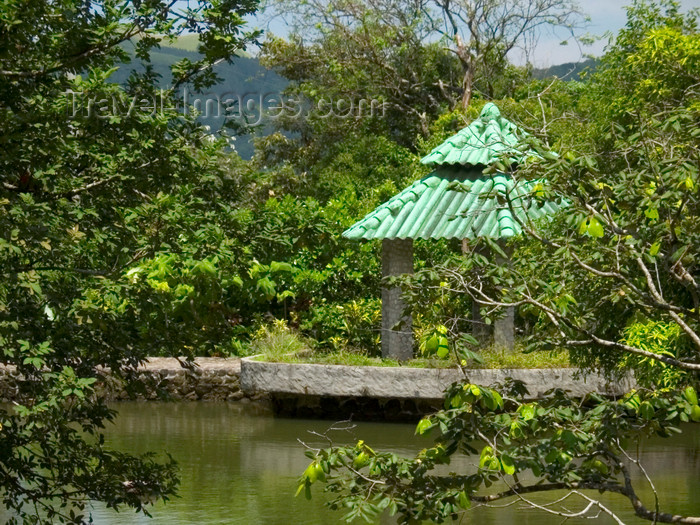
[565, 444]
[92, 183]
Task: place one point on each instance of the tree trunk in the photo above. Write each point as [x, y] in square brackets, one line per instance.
[467, 85]
[466, 59]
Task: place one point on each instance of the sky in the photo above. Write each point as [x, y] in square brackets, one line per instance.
[605, 16]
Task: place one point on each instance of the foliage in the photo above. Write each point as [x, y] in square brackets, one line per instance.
[101, 183]
[419, 56]
[485, 358]
[625, 244]
[662, 338]
[612, 279]
[277, 341]
[352, 325]
[362, 72]
[559, 442]
[634, 200]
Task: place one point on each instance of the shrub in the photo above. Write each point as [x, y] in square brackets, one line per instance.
[355, 324]
[277, 340]
[662, 338]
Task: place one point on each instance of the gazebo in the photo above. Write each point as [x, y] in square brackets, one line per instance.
[456, 201]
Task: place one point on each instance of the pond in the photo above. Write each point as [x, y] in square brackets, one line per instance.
[240, 465]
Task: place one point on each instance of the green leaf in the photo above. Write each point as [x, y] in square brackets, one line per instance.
[690, 395]
[646, 409]
[507, 465]
[595, 228]
[583, 227]
[361, 460]
[695, 413]
[431, 344]
[424, 425]
[205, 268]
[464, 500]
[527, 412]
[485, 457]
[278, 267]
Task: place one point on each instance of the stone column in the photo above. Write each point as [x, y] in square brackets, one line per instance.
[504, 327]
[480, 330]
[397, 328]
[504, 330]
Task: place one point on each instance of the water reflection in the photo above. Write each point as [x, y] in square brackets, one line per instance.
[240, 465]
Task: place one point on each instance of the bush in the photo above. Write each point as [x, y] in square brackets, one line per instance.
[662, 338]
[277, 340]
[351, 325]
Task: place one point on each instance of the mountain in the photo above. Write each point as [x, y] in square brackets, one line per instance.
[245, 84]
[567, 71]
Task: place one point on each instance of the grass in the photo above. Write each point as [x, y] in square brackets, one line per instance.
[355, 358]
[279, 344]
[499, 358]
[277, 341]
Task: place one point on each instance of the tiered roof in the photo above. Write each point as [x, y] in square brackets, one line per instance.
[458, 200]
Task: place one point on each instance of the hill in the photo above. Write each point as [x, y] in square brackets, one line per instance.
[567, 71]
[243, 81]
[245, 84]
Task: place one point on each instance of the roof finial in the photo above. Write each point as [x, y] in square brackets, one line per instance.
[490, 112]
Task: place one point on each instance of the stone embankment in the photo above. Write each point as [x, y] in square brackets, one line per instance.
[207, 379]
[396, 393]
[327, 391]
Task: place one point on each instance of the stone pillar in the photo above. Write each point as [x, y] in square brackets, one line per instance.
[504, 330]
[504, 327]
[480, 330]
[397, 329]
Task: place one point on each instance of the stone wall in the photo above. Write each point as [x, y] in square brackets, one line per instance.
[326, 391]
[210, 379]
[8, 383]
[410, 383]
[394, 393]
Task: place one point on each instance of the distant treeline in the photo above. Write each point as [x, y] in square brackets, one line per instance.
[246, 79]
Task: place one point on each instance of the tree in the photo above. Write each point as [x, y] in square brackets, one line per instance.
[403, 82]
[613, 279]
[484, 32]
[630, 227]
[480, 34]
[96, 178]
[521, 448]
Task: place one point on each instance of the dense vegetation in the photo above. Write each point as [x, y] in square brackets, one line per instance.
[128, 233]
[90, 198]
[613, 279]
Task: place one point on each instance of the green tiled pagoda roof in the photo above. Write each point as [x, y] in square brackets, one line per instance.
[481, 143]
[453, 204]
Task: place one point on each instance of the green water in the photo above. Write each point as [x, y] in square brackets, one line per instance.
[240, 465]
